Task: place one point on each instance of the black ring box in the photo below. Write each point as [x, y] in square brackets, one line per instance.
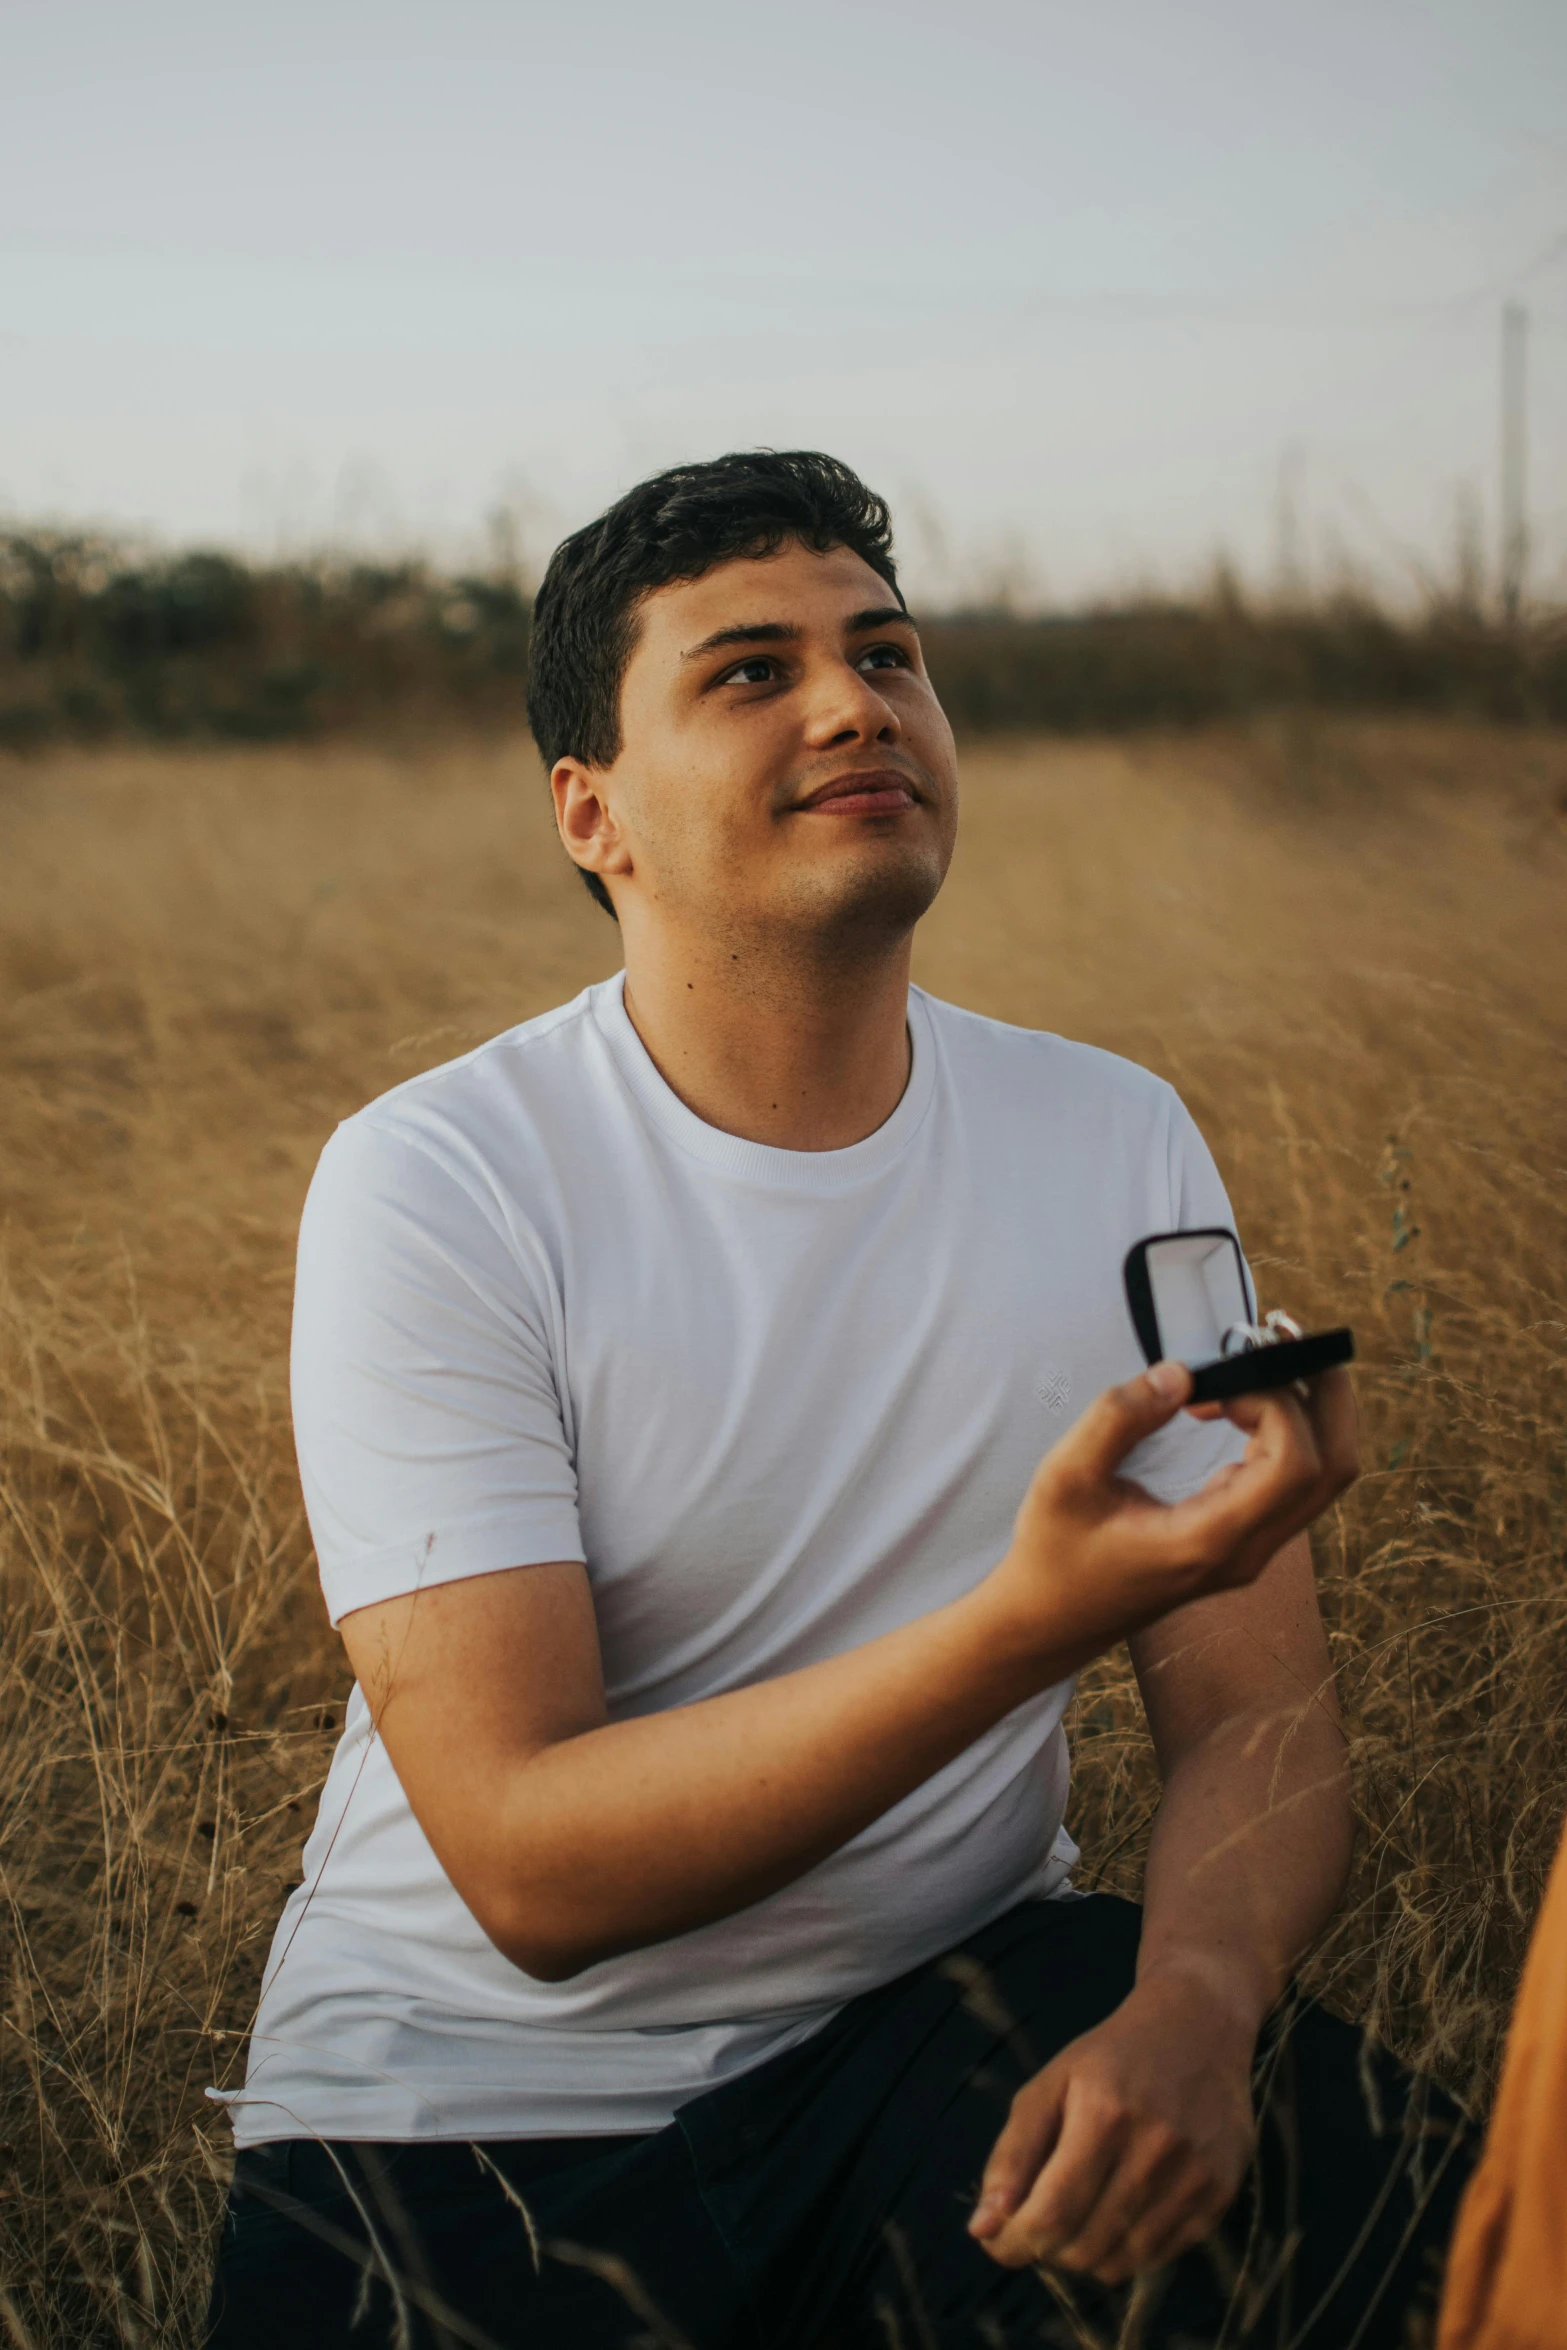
[1195, 1275]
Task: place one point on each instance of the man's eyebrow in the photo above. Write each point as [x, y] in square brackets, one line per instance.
[781, 632]
[748, 632]
[878, 616]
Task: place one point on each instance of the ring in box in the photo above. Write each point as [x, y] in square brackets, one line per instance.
[1189, 1303]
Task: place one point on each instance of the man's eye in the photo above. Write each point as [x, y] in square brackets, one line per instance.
[884, 657]
[756, 671]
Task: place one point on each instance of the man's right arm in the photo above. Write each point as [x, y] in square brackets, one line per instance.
[573, 1838]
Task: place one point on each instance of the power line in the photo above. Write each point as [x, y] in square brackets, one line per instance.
[1555, 251]
[1104, 306]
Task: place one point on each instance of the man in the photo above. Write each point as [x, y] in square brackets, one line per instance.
[687, 1951]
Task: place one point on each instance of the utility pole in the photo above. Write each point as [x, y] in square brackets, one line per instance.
[1515, 450]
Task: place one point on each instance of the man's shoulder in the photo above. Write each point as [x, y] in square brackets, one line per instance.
[1035, 1066]
[527, 1058]
[493, 1106]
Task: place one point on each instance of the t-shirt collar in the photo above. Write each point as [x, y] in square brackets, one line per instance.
[758, 1162]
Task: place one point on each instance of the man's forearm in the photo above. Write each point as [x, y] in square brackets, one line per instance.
[1124, 2150]
[1248, 1855]
[637, 1830]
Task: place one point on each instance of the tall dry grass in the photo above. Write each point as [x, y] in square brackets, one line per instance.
[1345, 946]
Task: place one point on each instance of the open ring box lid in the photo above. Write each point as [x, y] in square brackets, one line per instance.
[1186, 1289]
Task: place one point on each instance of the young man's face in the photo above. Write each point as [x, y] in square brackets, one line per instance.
[784, 764]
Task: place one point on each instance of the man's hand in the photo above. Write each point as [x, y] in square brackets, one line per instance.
[1094, 1559]
[1130, 2145]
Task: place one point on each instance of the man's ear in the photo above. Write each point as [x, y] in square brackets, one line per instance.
[589, 829]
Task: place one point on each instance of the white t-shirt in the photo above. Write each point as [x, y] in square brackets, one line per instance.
[779, 1402]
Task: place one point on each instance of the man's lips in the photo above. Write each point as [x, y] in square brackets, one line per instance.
[880, 791]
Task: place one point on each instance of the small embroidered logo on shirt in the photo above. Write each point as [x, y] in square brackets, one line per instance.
[1054, 1392]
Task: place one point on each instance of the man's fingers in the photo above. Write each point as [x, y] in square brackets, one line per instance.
[1156, 2210]
[1275, 1419]
[1335, 1416]
[1309, 1447]
[1327, 1408]
[1058, 2205]
[1032, 2128]
[1264, 1493]
[1283, 1458]
[1149, 2174]
[1301, 1455]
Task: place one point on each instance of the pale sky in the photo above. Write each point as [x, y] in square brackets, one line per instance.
[1076, 287]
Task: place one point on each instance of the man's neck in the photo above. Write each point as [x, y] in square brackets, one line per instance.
[802, 1053]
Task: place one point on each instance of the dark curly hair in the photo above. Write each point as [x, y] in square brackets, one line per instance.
[677, 526]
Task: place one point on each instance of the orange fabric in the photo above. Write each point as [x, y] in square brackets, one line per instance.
[1507, 2273]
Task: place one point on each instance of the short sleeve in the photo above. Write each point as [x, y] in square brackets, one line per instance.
[1185, 1454]
[427, 1417]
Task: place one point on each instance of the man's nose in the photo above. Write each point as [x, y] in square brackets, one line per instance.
[844, 707]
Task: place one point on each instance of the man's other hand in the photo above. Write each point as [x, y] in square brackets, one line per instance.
[1128, 2148]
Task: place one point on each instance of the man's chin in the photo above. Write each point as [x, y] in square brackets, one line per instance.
[866, 895]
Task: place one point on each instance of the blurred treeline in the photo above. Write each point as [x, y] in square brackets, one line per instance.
[100, 640]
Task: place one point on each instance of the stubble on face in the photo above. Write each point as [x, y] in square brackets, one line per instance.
[858, 902]
[798, 915]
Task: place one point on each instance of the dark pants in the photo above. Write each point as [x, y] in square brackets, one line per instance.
[819, 2202]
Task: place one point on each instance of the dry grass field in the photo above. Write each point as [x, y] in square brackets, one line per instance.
[1345, 944]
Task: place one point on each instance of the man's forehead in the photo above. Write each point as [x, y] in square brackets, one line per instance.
[797, 584]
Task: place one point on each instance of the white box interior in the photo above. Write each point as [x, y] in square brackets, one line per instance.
[1197, 1292]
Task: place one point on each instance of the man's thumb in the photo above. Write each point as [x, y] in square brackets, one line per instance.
[1121, 1418]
